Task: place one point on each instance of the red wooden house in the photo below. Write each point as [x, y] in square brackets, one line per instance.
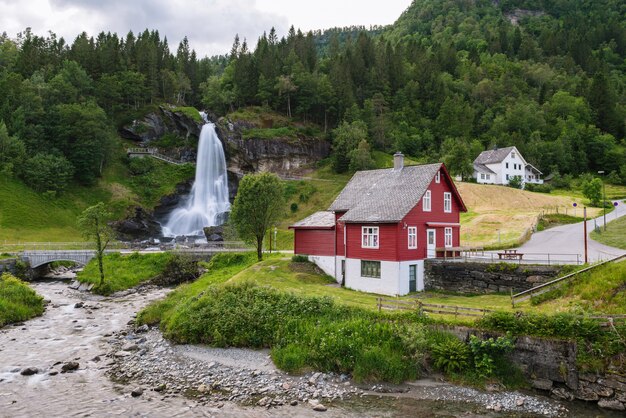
[377, 233]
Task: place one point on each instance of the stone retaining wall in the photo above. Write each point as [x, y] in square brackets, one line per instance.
[550, 366]
[464, 277]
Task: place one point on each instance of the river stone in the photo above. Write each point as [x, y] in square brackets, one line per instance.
[122, 354]
[130, 347]
[29, 371]
[563, 394]
[319, 408]
[613, 404]
[79, 305]
[70, 366]
[136, 392]
[542, 384]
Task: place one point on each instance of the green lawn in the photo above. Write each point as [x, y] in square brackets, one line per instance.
[615, 234]
[124, 271]
[18, 302]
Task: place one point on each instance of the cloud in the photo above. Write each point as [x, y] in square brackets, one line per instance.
[209, 25]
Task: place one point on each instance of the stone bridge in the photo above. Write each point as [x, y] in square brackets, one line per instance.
[39, 258]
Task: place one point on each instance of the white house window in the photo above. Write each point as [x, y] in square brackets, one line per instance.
[512, 155]
[426, 201]
[488, 176]
[482, 176]
[412, 237]
[507, 176]
[370, 269]
[448, 237]
[507, 165]
[438, 177]
[369, 237]
[447, 202]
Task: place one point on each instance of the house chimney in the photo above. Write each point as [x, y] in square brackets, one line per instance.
[398, 161]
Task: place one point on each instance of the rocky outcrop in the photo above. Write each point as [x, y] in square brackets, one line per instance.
[140, 225]
[283, 156]
[155, 125]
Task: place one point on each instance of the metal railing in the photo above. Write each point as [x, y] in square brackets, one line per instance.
[153, 152]
[481, 256]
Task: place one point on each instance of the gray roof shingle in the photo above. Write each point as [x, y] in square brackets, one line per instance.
[493, 155]
[384, 195]
[322, 219]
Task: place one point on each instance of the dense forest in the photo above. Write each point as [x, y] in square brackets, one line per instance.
[449, 79]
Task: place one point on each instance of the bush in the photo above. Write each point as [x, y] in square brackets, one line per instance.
[178, 269]
[139, 166]
[488, 353]
[300, 258]
[18, 302]
[516, 182]
[47, 173]
[450, 356]
[539, 188]
[294, 207]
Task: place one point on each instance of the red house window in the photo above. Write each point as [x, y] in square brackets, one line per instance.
[447, 202]
[426, 201]
[369, 237]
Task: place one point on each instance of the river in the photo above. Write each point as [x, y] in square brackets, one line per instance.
[87, 334]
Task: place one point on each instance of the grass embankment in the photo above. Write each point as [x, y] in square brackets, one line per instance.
[552, 220]
[615, 234]
[327, 331]
[124, 271]
[290, 308]
[18, 302]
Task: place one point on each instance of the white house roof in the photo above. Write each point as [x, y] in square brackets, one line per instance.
[386, 195]
[322, 219]
[493, 156]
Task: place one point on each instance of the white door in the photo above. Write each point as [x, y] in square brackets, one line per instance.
[431, 240]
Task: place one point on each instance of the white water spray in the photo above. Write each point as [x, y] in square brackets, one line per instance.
[209, 194]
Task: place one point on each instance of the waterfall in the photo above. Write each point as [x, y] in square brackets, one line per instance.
[209, 194]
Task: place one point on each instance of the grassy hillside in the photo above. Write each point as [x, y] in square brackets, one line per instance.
[511, 211]
[28, 216]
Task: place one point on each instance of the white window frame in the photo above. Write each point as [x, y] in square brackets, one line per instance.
[507, 165]
[438, 177]
[426, 201]
[513, 154]
[370, 237]
[447, 202]
[482, 176]
[448, 237]
[412, 237]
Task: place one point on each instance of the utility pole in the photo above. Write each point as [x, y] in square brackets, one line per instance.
[585, 231]
[603, 198]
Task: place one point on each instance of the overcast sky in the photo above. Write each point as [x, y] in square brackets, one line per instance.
[210, 25]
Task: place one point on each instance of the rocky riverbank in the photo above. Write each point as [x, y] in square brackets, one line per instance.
[152, 367]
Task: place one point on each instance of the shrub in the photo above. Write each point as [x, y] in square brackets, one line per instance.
[294, 207]
[538, 188]
[139, 166]
[47, 172]
[178, 269]
[487, 353]
[300, 258]
[18, 302]
[451, 355]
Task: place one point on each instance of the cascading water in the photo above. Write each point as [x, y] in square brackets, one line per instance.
[209, 194]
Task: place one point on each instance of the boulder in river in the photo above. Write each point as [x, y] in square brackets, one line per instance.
[29, 371]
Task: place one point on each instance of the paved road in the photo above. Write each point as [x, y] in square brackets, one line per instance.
[568, 239]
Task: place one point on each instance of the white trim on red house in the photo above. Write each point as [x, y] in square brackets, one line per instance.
[447, 237]
[426, 201]
[447, 202]
[370, 237]
[412, 237]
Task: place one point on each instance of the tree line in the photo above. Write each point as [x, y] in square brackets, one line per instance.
[449, 79]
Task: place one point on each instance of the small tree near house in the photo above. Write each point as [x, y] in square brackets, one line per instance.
[94, 227]
[258, 205]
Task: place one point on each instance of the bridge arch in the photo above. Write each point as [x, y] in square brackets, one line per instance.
[40, 258]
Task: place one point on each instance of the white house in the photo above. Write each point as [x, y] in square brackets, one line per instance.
[500, 165]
